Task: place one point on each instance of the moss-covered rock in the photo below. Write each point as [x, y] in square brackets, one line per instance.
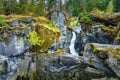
[103, 57]
[105, 49]
[23, 25]
[59, 67]
[110, 31]
[46, 33]
[66, 20]
[108, 19]
[117, 39]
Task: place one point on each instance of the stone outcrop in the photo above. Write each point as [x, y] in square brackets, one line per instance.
[13, 37]
[13, 40]
[48, 33]
[97, 34]
[98, 59]
[60, 66]
[60, 19]
[103, 57]
[14, 68]
[108, 19]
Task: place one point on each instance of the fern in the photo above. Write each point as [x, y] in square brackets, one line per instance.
[110, 7]
[33, 39]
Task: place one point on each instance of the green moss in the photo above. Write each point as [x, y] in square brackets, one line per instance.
[46, 31]
[45, 60]
[44, 35]
[115, 52]
[117, 39]
[11, 18]
[51, 24]
[102, 51]
[111, 31]
[42, 21]
[94, 48]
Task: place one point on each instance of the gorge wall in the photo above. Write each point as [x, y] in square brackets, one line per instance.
[97, 49]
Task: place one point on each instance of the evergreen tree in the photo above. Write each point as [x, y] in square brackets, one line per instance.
[117, 5]
[40, 8]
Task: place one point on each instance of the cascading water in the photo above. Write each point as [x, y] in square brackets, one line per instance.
[72, 44]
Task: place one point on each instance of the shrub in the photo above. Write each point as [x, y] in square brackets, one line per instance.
[2, 22]
[33, 39]
[74, 22]
[1, 8]
[85, 18]
[52, 24]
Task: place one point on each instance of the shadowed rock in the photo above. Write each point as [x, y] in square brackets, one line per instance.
[103, 57]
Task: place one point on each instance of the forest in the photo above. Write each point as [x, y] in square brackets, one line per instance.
[39, 7]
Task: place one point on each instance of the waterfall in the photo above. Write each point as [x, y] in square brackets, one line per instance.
[72, 44]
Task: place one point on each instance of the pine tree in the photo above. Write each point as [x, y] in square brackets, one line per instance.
[117, 5]
[40, 8]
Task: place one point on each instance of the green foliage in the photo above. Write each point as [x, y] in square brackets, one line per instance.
[24, 7]
[100, 11]
[85, 18]
[52, 24]
[74, 22]
[51, 4]
[2, 22]
[72, 7]
[116, 5]
[75, 7]
[1, 8]
[96, 4]
[110, 7]
[33, 39]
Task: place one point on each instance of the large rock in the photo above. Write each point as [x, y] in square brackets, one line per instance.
[103, 57]
[64, 66]
[108, 19]
[60, 19]
[57, 66]
[13, 38]
[17, 68]
[98, 34]
[15, 46]
[48, 34]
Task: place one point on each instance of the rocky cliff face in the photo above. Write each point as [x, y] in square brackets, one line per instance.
[14, 44]
[97, 46]
[60, 19]
[103, 57]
